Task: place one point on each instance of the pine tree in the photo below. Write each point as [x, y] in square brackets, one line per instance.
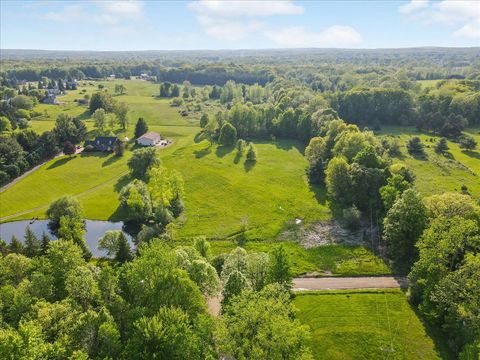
[124, 252]
[44, 243]
[32, 244]
[16, 246]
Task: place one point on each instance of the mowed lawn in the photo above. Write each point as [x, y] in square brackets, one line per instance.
[364, 325]
[440, 173]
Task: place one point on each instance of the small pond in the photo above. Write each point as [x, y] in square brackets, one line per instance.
[94, 230]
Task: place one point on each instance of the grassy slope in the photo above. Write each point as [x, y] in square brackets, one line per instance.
[340, 260]
[438, 173]
[364, 325]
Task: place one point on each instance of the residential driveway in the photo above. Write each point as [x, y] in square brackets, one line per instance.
[342, 283]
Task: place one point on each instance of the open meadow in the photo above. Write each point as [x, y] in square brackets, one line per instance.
[436, 173]
[222, 192]
[369, 324]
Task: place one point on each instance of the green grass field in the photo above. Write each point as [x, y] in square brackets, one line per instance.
[339, 260]
[439, 173]
[222, 191]
[365, 325]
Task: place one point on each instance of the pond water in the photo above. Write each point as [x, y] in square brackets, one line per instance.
[94, 230]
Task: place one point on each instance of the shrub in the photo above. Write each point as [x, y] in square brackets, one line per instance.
[351, 216]
[467, 142]
[251, 153]
[415, 146]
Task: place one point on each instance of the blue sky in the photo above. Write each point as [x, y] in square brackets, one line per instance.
[175, 25]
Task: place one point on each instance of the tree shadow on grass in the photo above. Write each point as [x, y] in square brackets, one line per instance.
[237, 157]
[420, 156]
[61, 162]
[285, 144]
[85, 115]
[438, 338]
[199, 137]
[202, 152]
[249, 165]
[121, 182]
[98, 154]
[224, 150]
[111, 160]
[471, 153]
[320, 193]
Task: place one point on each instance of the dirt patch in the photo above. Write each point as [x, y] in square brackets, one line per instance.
[331, 232]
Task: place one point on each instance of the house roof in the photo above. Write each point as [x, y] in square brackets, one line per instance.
[151, 135]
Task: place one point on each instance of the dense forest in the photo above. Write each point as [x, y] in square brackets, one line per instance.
[58, 302]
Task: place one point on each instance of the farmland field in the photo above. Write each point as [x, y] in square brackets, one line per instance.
[365, 325]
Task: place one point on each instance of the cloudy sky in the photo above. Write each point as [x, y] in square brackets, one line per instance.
[158, 25]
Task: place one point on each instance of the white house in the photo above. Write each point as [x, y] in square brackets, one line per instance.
[151, 138]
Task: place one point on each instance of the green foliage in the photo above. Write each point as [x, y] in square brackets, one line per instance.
[228, 134]
[32, 244]
[251, 153]
[441, 146]
[135, 200]
[403, 226]
[415, 146]
[279, 268]
[444, 281]
[141, 127]
[204, 120]
[467, 142]
[142, 161]
[262, 325]
[338, 181]
[101, 100]
[65, 206]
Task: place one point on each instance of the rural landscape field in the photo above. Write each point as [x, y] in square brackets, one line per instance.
[256, 192]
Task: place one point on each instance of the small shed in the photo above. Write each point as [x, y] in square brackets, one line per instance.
[151, 138]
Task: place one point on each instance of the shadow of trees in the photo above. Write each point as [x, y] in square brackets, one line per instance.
[61, 162]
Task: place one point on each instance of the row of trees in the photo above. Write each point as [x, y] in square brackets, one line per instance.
[21, 150]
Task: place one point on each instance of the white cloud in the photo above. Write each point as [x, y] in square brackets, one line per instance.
[412, 6]
[232, 30]
[464, 15]
[470, 30]
[235, 8]
[107, 12]
[67, 14]
[297, 36]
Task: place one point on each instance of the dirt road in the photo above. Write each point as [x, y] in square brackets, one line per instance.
[341, 283]
[330, 283]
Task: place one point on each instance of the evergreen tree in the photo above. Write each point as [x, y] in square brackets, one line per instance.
[441, 146]
[124, 252]
[175, 91]
[44, 243]
[204, 120]
[32, 244]
[16, 246]
[251, 153]
[141, 127]
[279, 268]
